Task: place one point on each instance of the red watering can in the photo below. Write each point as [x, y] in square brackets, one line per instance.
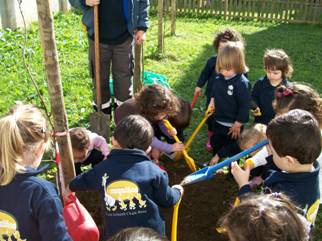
[79, 222]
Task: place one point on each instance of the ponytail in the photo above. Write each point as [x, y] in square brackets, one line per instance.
[23, 129]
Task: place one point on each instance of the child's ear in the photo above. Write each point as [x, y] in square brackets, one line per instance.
[291, 160]
[148, 149]
[115, 143]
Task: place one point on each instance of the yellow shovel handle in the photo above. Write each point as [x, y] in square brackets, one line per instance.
[175, 221]
[190, 162]
[195, 132]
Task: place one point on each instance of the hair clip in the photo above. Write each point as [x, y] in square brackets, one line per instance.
[283, 92]
[276, 195]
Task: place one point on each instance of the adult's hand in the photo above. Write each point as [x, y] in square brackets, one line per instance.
[139, 37]
[92, 3]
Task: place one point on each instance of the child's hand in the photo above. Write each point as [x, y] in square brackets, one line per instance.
[92, 3]
[235, 130]
[257, 112]
[214, 160]
[180, 188]
[66, 194]
[241, 176]
[198, 91]
[211, 105]
[177, 147]
[173, 132]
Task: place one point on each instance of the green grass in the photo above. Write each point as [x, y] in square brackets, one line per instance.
[184, 58]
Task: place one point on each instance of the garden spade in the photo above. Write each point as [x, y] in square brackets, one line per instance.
[99, 122]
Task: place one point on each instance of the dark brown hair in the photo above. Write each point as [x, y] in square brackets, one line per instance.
[155, 99]
[277, 59]
[227, 35]
[79, 138]
[296, 134]
[134, 131]
[298, 96]
[181, 119]
[137, 234]
[269, 217]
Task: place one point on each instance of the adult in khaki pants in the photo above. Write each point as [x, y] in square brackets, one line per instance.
[119, 22]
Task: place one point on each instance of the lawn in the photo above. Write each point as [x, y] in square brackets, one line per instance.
[184, 58]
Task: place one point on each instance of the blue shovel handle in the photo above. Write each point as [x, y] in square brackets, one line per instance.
[208, 172]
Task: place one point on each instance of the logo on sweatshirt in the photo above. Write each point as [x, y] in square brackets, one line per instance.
[230, 90]
[122, 195]
[9, 227]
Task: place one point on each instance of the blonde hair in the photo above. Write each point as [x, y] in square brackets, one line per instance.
[255, 133]
[21, 131]
[277, 59]
[232, 56]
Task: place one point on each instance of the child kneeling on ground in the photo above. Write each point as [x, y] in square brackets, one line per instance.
[88, 148]
[132, 186]
[295, 142]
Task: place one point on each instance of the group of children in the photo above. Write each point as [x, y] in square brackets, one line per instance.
[133, 187]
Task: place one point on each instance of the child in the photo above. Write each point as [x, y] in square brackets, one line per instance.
[221, 38]
[295, 96]
[138, 234]
[265, 218]
[278, 68]
[88, 148]
[132, 186]
[249, 137]
[230, 95]
[154, 102]
[29, 206]
[295, 142]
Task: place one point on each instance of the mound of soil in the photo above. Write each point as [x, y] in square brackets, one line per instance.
[202, 205]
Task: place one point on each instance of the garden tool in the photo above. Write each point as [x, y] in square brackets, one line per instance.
[194, 134]
[175, 221]
[208, 172]
[194, 100]
[99, 122]
[190, 162]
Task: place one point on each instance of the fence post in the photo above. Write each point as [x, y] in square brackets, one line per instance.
[160, 28]
[55, 90]
[173, 17]
[138, 63]
[226, 10]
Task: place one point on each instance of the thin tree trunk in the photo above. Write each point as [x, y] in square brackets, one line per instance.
[55, 91]
[138, 64]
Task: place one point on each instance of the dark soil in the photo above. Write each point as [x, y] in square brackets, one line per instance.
[202, 205]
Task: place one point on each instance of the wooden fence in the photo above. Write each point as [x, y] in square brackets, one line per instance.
[298, 11]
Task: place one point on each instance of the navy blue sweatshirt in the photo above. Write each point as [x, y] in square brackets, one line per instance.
[263, 95]
[30, 206]
[113, 24]
[208, 71]
[132, 189]
[302, 188]
[232, 98]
